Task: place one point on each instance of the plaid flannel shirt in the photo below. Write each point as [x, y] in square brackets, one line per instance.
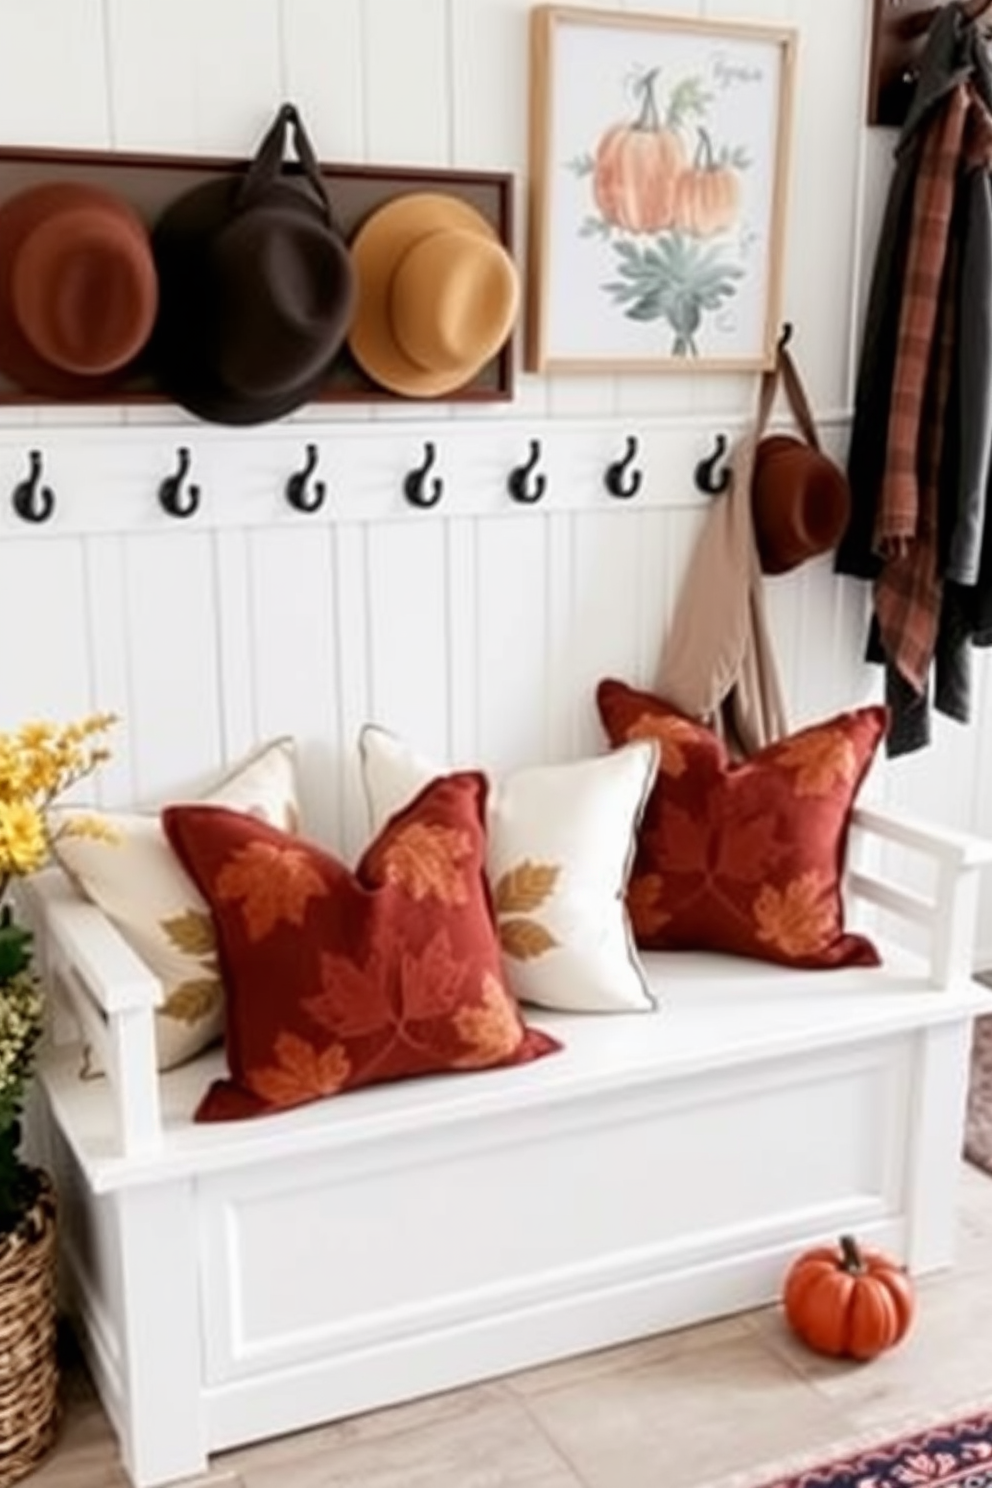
[908, 590]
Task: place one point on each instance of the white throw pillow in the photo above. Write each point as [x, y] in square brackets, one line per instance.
[561, 842]
[132, 874]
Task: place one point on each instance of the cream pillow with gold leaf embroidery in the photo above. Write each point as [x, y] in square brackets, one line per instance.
[561, 842]
[123, 862]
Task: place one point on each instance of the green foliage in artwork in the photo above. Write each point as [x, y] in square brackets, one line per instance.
[675, 278]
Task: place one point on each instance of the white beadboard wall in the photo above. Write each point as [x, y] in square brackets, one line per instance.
[478, 627]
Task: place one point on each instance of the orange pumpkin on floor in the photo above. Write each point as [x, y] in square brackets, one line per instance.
[848, 1302]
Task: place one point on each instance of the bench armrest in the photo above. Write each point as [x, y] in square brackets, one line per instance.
[947, 909]
[111, 992]
[114, 975]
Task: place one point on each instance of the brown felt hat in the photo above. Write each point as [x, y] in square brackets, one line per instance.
[78, 289]
[800, 502]
[437, 294]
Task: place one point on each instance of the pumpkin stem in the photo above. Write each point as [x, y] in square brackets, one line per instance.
[648, 118]
[852, 1262]
[704, 150]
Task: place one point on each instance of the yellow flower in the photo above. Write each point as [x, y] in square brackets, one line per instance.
[39, 761]
[23, 840]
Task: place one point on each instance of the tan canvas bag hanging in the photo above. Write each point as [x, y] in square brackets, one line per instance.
[717, 662]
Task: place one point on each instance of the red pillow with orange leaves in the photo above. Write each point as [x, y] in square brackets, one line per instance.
[336, 979]
[745, 857]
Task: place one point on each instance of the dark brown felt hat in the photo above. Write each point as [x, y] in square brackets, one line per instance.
[800, 502]
[78, 289]
[256, 288]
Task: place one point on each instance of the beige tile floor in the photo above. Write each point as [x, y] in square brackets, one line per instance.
[726, 1403]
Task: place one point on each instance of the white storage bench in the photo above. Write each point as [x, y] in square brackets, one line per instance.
[234, 1281]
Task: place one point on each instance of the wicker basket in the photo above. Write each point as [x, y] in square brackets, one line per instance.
[28, 1363]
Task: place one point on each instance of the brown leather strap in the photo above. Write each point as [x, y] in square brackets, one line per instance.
[786, 370]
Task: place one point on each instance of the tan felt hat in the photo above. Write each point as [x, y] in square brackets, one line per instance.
[437, 294]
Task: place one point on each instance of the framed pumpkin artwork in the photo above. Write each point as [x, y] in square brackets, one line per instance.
[658, 166]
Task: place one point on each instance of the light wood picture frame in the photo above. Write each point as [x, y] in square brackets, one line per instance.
[659, 157]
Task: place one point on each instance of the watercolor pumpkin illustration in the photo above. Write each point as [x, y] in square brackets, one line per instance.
[667, 209]
[708, 194]
[638, 166]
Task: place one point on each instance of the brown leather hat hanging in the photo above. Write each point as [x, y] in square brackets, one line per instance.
[800, 499]
[78, 290]
[256, 288]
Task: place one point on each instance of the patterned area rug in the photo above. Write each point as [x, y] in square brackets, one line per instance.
[978, 1127]
[958, 1454]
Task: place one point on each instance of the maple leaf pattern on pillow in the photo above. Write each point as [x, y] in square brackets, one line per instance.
[672, 734]
[798, 919]
[490, 1028]
[395, 989]
[272, 882]
[747, 856]
[301, 1072]
[336, 979]
[424, 859]
[823, 762]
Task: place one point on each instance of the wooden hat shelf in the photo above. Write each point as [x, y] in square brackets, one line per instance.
[151, 182]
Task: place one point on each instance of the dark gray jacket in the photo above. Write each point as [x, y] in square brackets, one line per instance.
[955, 51]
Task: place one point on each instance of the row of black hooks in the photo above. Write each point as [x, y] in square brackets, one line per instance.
[34, 501]
[527, 484]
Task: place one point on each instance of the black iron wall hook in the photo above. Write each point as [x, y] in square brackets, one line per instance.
[297, 494]
[706, 477]
[32, 501]
[614, 475]
[518, 481]
[414, 483]
[171, 496]
[785, 335]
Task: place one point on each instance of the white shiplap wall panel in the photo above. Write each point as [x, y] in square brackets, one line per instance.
[654, 583]
[823, 204]
[512, 625]
[489, 84]
[322, 73]
[293, 657]
[108, 648]
[407, 612]
[174, 708]
[678, 540]
[672, 7]
[488, 131]
[407, 82]
[235, 658]
[763, 12]
[46, 663]
[606, 628]
[352, 642]
[562, 716]
[193, 77]
[464, 680]
[53, 80]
